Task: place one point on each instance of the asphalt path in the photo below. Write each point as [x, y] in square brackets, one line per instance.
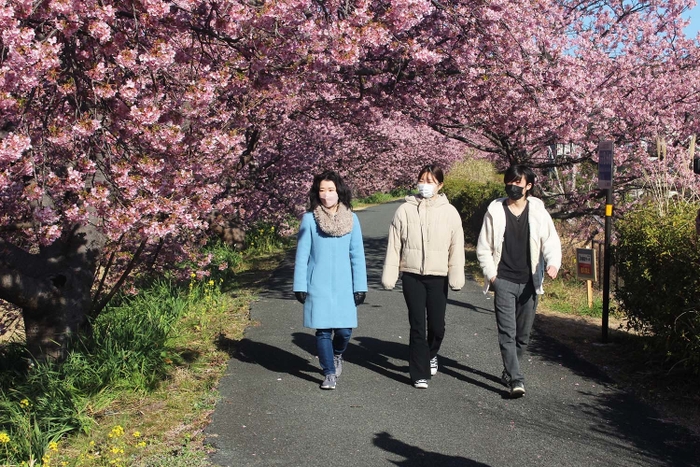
[272, 412]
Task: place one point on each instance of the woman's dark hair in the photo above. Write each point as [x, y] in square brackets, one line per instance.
[515, 173]
[433, 170]
[344, 193]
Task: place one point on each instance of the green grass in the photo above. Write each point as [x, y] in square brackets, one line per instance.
[571, 297]
[379, 198]
[139, 390]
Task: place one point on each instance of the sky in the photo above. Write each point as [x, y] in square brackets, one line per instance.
[694, 26]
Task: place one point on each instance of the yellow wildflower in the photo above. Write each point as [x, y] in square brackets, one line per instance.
[116, 432]
[24, 403]
[141, 444]
[53, 445]
[136, 434]
[4, 438]
[193, 275]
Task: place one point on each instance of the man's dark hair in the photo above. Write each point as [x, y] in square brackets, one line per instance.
[344, 193]
[434, 170]
[515, 173]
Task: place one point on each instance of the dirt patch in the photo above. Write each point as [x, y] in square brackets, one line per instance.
[622, 358]
[11, 324]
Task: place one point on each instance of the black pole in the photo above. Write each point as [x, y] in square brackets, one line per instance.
[606, 262]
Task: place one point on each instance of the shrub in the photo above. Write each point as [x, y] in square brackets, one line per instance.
[658, 261]
[471, 200]
[474, 170]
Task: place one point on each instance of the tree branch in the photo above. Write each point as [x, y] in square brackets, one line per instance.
[96, 311]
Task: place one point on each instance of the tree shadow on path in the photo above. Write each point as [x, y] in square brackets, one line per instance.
[373, 354]
[469, 306]
[621, 415]
[417, 457]
[271, 358]
[449, 367]
[380, 356]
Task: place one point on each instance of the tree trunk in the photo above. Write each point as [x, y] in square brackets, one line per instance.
[53, 288]
[50, 325]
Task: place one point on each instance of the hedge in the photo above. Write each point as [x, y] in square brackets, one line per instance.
[658, 263]
[471, 200]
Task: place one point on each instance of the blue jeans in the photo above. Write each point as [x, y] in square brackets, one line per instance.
[516, 305]
[327, 347]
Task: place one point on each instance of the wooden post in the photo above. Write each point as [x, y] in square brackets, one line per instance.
[589, 287]
[691, 150]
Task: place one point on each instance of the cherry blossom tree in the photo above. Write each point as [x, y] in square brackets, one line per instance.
[124, 124]
[512, 79]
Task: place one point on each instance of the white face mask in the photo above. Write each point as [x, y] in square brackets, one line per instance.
[426, 190]
[329, 198]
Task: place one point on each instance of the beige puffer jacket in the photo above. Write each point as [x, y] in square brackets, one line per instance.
[426, 238]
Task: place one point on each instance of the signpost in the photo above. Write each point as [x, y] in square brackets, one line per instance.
[585, 264]
[605, 165]
[605, 176]
[586, 270]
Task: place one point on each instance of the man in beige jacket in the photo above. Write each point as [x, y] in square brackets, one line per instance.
[426, 245]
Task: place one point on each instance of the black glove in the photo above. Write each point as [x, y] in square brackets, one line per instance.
[301, 296]
[359, 298]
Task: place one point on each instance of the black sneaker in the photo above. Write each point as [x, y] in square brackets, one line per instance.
[517, 389]
[505, 379]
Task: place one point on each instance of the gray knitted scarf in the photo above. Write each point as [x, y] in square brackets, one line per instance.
[334, 225]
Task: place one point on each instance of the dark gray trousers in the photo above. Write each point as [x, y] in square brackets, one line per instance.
[515, 306]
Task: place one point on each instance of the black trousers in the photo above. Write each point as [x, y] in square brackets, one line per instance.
[424, 293]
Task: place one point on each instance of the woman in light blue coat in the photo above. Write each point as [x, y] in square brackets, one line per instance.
[330, 276]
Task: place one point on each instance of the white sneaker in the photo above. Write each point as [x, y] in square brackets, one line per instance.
[433, 365]
[421, 384]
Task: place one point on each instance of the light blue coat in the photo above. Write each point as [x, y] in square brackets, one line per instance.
[329, 269]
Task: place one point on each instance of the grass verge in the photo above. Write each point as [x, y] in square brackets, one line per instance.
[379, 198]
[141, 390]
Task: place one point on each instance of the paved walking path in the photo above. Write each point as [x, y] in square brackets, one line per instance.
[272, 411]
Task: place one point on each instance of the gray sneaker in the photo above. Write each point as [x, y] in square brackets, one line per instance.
[433, 365]
[328, 382]
[517, 389]
[338, 362]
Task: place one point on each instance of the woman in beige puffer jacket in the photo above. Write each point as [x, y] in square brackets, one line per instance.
[426, 245]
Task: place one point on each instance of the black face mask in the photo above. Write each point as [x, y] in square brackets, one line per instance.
[514, 192]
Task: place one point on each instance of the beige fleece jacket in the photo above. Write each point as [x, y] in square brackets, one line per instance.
[426, 238]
